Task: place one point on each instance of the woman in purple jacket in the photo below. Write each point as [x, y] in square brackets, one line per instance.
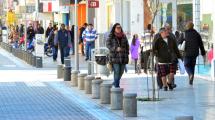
[134, 50]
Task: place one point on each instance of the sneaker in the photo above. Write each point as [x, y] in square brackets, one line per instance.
[86, 59]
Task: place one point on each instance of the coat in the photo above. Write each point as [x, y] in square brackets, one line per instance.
[166, 53]
[134, 50]
[116, 57]
[193, 43]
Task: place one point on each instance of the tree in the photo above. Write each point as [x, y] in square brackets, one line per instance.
[154, 6]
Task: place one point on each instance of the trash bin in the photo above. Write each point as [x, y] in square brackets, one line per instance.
[39, 62]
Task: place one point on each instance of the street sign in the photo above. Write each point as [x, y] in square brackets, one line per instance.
[93, 4]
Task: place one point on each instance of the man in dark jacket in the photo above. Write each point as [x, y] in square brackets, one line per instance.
[62, 39]
[192, 46]
[40, 29]
[48, 30]
[81, 40]
[166, 51]
[172, 37]
[30, 33]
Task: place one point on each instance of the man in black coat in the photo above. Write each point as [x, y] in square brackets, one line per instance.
[48, 30]
[193, 42]
[81, 41]
[166, 51]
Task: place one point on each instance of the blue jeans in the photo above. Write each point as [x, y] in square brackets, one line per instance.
[67, 51]
[118, 70]
[189, 63]
[55, 52]
[63, 53]
[89, 47]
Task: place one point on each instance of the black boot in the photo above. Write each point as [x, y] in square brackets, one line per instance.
[191, 79]
[170, 86]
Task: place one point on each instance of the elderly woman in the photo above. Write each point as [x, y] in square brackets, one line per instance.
[118, 45]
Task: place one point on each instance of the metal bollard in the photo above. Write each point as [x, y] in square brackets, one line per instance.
[67, 61]
[88, 84]
[130, 105]
[116, 98]
[67, 73]
[96, 88]
[184, 118]
[81, 81]
[59, 71]
[74, 78]
[105, 93]
[39, 62]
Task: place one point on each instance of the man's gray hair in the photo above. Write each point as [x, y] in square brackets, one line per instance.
[163, 29]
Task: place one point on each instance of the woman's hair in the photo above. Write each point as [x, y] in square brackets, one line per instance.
[114, 27]
[149, 27]
[134, 39]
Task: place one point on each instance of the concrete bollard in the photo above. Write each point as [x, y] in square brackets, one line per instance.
[116, 98]
[81, 81]
[67, 61]
[184, 118]
[74, 78]
[88, 84]
[105, 93]
[59, 71]
[67, 73]
[96, 88]
[39, 62]
[130, 105]
[89, 68]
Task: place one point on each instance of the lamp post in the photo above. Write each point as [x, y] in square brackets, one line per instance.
[76, 40]
[25, 26]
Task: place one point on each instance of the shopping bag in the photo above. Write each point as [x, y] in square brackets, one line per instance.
[181, 66]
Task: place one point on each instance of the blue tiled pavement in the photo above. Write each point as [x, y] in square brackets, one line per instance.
[37, 101]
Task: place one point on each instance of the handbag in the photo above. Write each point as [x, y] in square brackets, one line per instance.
[181, 66]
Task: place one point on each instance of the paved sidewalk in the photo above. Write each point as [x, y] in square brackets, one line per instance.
[34, 94]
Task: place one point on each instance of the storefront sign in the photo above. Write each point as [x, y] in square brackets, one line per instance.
[93, 4]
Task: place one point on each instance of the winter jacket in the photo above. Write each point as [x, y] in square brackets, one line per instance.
[80, 36]
[40, 30]
[89, 35]
[51, 38]
[30, 33]
[62, 38]
[134, 50]
[116, 57]
[193, 43]
[48, 30]
[166, 52]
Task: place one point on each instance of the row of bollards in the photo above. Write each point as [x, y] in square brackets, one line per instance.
[29, 58]
[99, 90]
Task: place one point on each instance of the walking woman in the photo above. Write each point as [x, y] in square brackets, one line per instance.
[117, 43]
[134, 50]
[192, 46]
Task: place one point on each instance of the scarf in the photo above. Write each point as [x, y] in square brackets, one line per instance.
[119, 35]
